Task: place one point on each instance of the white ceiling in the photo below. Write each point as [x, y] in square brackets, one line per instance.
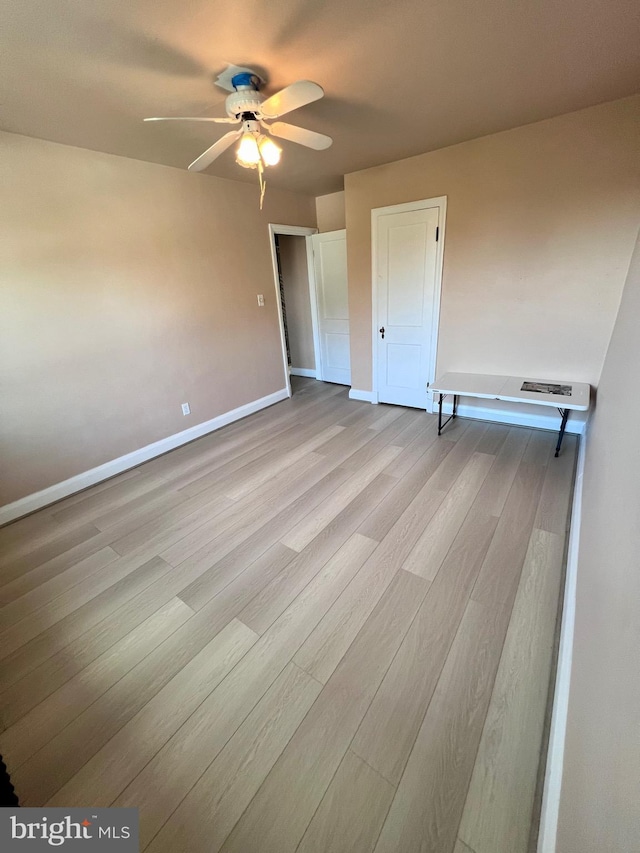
[400, 77]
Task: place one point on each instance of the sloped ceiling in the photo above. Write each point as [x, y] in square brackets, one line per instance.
[401, 78]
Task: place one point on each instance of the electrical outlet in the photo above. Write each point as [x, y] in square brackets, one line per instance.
[260, 300]
[186, 409]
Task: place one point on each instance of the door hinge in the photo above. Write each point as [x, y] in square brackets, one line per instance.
[437, 232]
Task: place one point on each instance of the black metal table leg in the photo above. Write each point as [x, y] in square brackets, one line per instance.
[563, 424]
[451, 416]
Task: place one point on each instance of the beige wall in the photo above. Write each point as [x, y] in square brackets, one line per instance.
[541, 223]
[295, 278]
[127, 289]
[330, 212]
[600, 808]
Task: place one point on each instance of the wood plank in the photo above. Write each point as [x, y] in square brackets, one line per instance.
[13, 567]
[353, 448]
[352, 811]
[34, 530]
[153, 525]
[179, 764]
[42, 576]
[493, 439]
[325, 647]
[454, 462]
[265, 607]
[308, 528]
[387, 416]
[226, 530]
[362, 417]
[161, 532]
[389, 729]
[430, 550]
[243, 483]
[223, 444]
[305, 490]
[83, 494]
[280, 813]
[95, 503]
[347, 443]
[428, 804]
[63, 756]
[144, 508]
[42, 723]
[413, 451]
[554, 509]
[75, 655]
[382, 519]
[210, 810]
[217, 468]
[214, 569]
[29, 627]
[22, 535]
[504, 471]
[55, 638]
[44, 594]
[383, 438]
[440, 466]
[499, 804]
[110, 769]
[500, 573]
[252, 460]
[415, 428]
[539, 448]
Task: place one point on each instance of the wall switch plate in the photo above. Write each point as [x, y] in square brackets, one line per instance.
[186, 409]
[260, 300]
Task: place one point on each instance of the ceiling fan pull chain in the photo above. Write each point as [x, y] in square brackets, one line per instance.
[263, 183]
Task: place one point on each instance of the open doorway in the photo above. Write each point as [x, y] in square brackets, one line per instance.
[291, 257]
[295, 304]
[310, 274]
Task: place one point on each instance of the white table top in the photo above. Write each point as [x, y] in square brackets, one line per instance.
[509, 389]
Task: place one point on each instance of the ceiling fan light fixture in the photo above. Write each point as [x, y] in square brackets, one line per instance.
[248, 153]
[269, 150]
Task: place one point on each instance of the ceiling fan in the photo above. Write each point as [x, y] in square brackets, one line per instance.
[256, 116]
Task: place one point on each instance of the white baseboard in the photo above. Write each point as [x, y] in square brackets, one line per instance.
[365, 396]
[54, 493]
[555, 752]
[303, 371]
[522, 414]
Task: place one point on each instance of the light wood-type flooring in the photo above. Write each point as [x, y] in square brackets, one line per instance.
[321, 629]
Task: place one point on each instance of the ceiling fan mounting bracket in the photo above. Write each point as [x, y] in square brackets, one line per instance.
[246, 80]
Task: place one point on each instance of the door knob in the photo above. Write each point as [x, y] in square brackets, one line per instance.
[382, 331]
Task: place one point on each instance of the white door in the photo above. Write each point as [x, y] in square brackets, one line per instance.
[332, 304]
[407, 304]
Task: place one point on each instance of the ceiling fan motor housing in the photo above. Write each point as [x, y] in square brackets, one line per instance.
[246, 98]
[243, 101]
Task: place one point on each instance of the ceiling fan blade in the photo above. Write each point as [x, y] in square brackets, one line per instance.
[291, 98]
[193, 118]
[207, 157]
[300, 135]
